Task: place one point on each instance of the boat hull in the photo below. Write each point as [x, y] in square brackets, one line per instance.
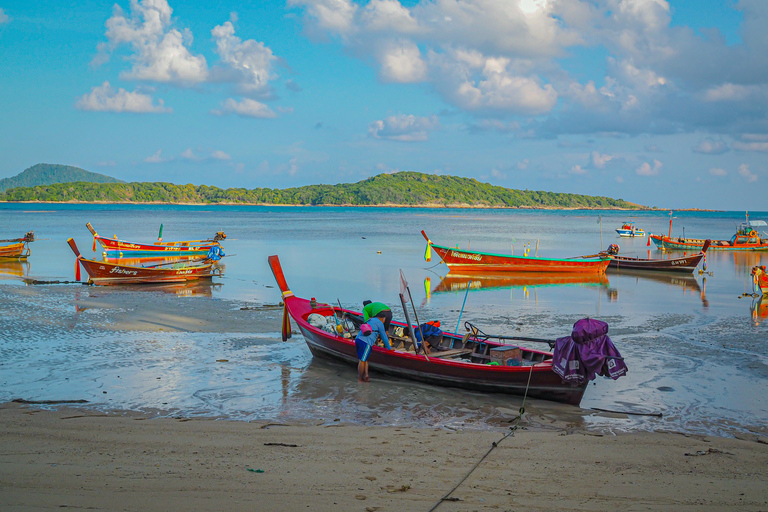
[536, 381]
[472, 261]
[16, 250]
[106, 273]
[112, 245]
[686, 264]
[630, 233]
[696, 244]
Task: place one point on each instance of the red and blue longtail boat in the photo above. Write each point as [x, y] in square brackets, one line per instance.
[453, 360]
[184, 247]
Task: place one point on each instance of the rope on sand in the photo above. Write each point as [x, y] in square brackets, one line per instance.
[511, 432]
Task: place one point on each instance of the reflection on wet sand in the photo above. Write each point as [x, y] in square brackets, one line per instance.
[13, 268]
[152, 261]
[459, 282]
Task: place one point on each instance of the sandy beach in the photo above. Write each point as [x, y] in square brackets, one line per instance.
[70, 458]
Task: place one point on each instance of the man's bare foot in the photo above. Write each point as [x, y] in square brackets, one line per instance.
[366, 379]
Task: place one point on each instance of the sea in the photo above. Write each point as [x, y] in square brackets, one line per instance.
[696, 345]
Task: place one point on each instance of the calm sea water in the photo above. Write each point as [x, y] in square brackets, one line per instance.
[697, 352]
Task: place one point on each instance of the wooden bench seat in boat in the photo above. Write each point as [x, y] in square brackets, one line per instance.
[450, 352]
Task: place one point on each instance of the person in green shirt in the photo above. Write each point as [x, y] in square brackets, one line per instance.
[377, 309]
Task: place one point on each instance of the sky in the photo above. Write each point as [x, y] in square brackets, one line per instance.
[661, 103]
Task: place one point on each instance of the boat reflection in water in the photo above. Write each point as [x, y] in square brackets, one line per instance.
[687, 282]
[454, 282]
[759, 310]
[13, 268]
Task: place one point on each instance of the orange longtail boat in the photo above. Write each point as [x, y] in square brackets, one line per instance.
[117, 246]
[17, 248]
[108, 273]
[476, 261]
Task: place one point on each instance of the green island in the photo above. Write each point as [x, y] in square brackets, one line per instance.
[399, 189]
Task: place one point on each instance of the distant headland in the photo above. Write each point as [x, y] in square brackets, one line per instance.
[59, 183]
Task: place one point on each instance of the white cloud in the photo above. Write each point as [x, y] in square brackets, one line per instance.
[188, 154]
[220, 155]
[716, 171]
[755, 137]
[3, 17]
[403, 128]
[156, 158]
[246, 108]
[160, 52]
[751, 146]
[498, 174]
[647, 169]
[106, 99]
[523, 164]
[600, 160]
[577, 169]
[711, 147]
[731, 92]
[332, 15]
[250, 61]
[401, 62]
[747, 174]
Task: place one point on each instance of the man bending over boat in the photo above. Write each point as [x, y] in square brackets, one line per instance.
[368, 335]
[373, 309]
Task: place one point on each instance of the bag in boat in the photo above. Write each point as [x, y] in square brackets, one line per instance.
[587, 352]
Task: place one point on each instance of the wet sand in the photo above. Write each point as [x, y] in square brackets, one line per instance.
[70, 458]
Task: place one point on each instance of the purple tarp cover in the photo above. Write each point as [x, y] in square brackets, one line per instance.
[587, 352]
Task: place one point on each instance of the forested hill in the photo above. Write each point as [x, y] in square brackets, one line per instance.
[403, 188]
[48, 174]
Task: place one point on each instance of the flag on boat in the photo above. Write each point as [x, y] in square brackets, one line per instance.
[403, 286]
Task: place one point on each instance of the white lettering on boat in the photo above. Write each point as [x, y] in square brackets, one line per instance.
[118, 270]
[466, 256]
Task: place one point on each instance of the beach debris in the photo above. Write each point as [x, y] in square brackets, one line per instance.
[222, 360]
[361, 497]
[47, 402]
[255, 470]
[281, 444]
[392, 488]
[704, 452]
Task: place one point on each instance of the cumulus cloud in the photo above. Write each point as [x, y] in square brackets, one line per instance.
[249, 61]
[160, 53]
[403, 128]
[747, 174]
[577, 169]
[220, 155]
[245, 108]
[647, 169]
[600, 160]
[716, 171]
[156, 158]
[503, 57]
[711, 147]
[106, 99]
[3, 17]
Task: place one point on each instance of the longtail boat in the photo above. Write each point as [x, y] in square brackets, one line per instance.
[628, 229]
[760, 279]
[108, 273]
[681, 264]
[747, 238]
[17, 248]
[455, 360]
[476, 261]
[115, 245]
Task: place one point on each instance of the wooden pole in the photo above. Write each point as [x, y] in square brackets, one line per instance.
[408, 321]
[418, 324]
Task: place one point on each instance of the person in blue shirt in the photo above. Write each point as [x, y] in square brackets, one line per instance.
[369, 333]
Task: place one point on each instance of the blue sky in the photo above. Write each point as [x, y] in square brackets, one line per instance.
[663, 103]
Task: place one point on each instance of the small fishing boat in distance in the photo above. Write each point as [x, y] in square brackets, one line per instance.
[628, 229]
[108, 273]
[17, 248]
[476, 261]
[681, 264]
[117, 246]
[454, 361]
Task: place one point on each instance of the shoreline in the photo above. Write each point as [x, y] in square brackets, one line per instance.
[72, 457]
[435, 206]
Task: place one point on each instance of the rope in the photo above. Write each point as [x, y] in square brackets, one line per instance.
[511, 432]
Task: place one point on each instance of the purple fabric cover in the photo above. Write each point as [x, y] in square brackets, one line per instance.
[587, 352]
